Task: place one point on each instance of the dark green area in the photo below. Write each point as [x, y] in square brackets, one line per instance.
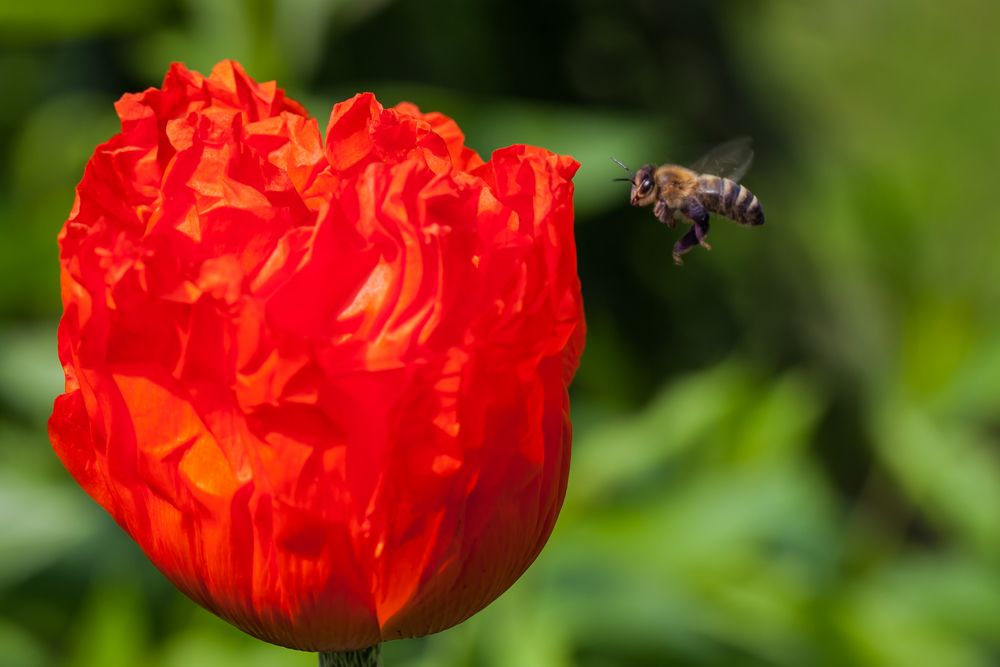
[787, 452]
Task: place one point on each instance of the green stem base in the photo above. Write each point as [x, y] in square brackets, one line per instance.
[366, 657]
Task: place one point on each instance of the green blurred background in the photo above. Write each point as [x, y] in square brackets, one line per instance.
[787, 452]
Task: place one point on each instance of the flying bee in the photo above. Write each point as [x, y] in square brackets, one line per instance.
[710, 185]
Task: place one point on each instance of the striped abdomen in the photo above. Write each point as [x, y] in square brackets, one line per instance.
[729, 198]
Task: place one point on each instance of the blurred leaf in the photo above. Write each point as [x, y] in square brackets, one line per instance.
[281, 41]
[42, 522]
[54, 143]
[48, 159]
[731, 559]
[938, 339]
[20, 649]
[975, 390]
[446, 648]
[950, 473]
[611, 374]
[726, 527]
[620, 452]
[303, 28]
[22, 73]
[61, 19]
[113, 632]
[210, 32]
[922, 611]
[780, 421]
[30, 375]
[210, 642]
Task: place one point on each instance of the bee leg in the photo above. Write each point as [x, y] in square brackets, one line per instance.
[664, 213]
[684, 244]
[699, 216]
[701, 231]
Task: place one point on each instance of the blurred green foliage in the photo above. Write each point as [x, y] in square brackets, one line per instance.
[787, 452]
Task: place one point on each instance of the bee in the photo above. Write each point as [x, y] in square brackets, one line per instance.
[710, 185]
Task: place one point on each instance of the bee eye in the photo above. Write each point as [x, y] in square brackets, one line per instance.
[645, 186]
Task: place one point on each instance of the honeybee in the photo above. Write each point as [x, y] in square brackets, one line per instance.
[710, 185]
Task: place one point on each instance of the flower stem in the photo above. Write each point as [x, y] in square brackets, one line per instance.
[366, 657]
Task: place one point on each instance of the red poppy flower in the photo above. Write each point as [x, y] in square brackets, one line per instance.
[321, 384]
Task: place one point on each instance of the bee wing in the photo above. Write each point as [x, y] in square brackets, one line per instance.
[729, 160]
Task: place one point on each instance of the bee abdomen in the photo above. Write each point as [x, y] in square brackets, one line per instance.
[729, 198]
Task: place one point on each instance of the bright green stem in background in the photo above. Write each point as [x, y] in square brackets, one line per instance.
[366, 657]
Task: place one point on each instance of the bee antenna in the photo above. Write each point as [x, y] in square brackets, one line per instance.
[619, 163]
[627, 180]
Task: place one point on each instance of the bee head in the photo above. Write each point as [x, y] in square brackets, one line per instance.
[643, 186]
